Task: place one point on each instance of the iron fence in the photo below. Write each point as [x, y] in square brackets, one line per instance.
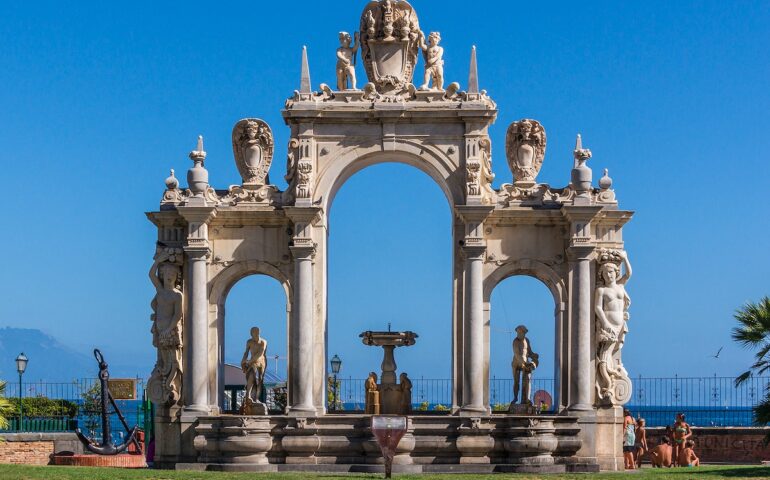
[706, 401]
[83, 394]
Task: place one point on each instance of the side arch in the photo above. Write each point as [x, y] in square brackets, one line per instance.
[219, 289]
[557, 285]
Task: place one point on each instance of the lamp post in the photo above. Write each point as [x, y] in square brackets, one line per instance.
[336, 365]
[21, 366]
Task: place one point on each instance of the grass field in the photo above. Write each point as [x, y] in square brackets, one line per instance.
[70, 473]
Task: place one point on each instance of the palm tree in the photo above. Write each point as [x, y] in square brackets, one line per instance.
[753, 331]
[6, 407]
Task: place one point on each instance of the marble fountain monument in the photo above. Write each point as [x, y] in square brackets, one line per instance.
[570, 238]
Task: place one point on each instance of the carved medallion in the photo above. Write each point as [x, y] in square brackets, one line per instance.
[525, 148]
[253, 149]
[390, 42]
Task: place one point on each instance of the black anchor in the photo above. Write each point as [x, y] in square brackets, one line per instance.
[107, 447]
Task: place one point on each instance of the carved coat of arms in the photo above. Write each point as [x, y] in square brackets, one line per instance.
[390, 37]
[253, 149]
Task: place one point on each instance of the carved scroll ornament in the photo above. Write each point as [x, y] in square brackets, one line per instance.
[525, 148]
[253, 149]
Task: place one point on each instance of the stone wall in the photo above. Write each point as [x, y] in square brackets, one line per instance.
[35, 448]
[725, 444]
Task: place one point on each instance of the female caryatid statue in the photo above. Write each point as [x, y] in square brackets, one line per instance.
[164, 385]
[611, 304]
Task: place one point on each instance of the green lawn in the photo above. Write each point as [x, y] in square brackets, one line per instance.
[70, 473]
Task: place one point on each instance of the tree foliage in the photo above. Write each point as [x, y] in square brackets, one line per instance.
[753, 332]
[6, 407]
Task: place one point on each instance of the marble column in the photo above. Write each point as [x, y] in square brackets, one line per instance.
[581, 387]
[473, 335]
[302, 324]
[197, 327]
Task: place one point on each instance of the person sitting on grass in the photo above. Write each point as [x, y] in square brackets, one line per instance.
[688, 458]
[641, 441]
[660, 456]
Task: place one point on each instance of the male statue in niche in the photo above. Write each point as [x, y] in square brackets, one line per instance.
[525, 361]
[254, 369]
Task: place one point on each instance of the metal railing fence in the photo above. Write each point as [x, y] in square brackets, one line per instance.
[77, 392]
[706, 401]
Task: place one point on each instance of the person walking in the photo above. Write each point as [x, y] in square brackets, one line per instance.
[629, 439]
[641, 441]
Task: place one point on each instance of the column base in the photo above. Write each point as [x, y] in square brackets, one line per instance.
[473, 411]
[301, 411]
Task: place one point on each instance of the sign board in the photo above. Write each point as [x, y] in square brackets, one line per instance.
[388, 431]
[122, 388]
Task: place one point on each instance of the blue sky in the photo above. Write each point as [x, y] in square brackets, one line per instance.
[100, 99]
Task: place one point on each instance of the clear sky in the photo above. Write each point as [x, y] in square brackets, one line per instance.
[99, 99]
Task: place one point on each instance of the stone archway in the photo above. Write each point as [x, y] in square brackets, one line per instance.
[556, 285]
[219, 290]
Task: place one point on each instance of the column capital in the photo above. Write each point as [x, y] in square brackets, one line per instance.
[304, 251]
[577, 253]
[580, 213]
[197, 214]
[195, 252]
[474, 251]
[309, 215]
[473, 213]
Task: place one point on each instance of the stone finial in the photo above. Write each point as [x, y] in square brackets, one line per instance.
[605, 183]
[304, 84]
[198, 176]
[171, 182]
[473, 75]
[582, 176]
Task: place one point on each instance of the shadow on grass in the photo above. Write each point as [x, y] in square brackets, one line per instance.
[753, 472]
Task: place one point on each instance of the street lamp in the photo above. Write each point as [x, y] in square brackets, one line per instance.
[21, 366]
[336, 366]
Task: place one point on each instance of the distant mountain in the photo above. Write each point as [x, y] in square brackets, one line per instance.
[49, 360]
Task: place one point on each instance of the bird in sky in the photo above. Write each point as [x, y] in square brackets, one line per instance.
[720, 351]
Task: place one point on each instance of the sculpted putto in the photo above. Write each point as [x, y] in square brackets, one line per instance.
[611, 304]
[346, 61]
[254, 367]
[434, 61]
[372, 395]
[524, 362]
[166, 379]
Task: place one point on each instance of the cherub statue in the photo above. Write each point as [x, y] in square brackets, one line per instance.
[346, 61]
[434, 61]
[524, 362]
[254, 368]
[611, 304]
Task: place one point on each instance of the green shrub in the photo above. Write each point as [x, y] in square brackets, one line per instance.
[45, 407]
[423, 407]
[500, 407]
[441, 408]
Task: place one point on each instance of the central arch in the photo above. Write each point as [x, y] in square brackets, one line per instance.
[440, 166]
[436, 167]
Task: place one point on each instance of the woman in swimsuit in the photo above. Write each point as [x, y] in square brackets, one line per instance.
[682, 433]
[641, 441]
[629, 439]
